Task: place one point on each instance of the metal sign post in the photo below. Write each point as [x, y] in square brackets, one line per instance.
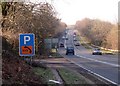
[27, 45]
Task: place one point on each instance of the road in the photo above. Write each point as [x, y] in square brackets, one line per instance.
[104, 66]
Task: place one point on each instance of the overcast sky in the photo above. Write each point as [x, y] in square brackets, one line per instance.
[69, 11]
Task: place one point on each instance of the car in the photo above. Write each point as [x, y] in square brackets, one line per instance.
[63, 37]
[77, 44]
[96, 51]
[65, 32]
[61, 45]
[66, 38]
[74, 35]
[74, 39]
[70, 50]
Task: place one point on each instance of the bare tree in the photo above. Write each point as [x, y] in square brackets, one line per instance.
[99, 32]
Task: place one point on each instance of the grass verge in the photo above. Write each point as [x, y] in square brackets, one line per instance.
[87, 45]
[107, 52]
[45, 74]
[70, 77]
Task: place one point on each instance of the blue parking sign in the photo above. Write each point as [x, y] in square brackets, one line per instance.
[26, 44]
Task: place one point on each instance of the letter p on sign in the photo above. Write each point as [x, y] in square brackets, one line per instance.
[26, 39]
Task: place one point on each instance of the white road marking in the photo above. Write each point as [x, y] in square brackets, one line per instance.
[111, 64]
[93, 72]
[115, 65]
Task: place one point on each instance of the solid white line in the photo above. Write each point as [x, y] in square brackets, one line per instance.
[115, 65]
[111, 64]
[93, 72]
[90, 71]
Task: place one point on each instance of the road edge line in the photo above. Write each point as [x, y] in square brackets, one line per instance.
[93, 72]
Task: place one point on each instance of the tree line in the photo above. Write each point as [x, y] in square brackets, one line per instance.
[39, 19]
[100, 33]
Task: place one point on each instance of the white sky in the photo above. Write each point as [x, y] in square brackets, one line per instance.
[69, 11]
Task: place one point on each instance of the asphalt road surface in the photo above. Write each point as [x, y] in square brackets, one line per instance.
[104, 66]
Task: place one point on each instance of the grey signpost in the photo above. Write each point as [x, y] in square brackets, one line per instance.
[27, 45]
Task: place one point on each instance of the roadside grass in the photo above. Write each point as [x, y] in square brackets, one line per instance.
[45, 74]
[85, 43]
[107, 52]
[70, 77]
[88, 45]
[56, 55]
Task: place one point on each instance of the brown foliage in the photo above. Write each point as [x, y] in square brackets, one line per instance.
[39, 19]
[99, 32]
[16, 72]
